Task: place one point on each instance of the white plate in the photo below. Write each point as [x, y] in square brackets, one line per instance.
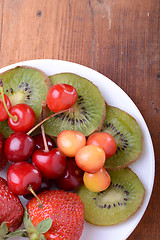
[144, 167]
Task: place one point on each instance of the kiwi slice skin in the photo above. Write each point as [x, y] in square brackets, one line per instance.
[88, 112]
[28, 85]
[127, 134]
[117, 203]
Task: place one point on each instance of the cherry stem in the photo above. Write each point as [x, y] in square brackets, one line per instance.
[44, 120]
[40, 204]
[46, 149]
[15, 118]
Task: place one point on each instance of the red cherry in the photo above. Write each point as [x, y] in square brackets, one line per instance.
[51, 164]
[61, 97]
[21, 175]
[23, 118]
[18, 147]
[39, 143]
[3, 161]
[4, 114]
[72, 178]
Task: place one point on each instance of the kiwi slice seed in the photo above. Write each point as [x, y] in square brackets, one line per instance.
[25, 84]
[127, 135]
[88, 112]
[117, 203]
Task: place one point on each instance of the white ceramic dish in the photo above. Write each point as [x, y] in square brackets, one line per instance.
[144, 167]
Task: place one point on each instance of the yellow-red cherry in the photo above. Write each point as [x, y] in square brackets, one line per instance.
[23, 118]
[105, 141]
[70, 141]
[98, 181]
[61, 97]
[90, 158]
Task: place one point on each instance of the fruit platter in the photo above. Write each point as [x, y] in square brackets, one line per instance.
[76, 156]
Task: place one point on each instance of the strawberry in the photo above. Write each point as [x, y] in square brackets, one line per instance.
[11, 209]
[3, 161]
[64, 208]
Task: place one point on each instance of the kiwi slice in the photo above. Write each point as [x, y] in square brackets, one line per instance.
[127, 135]
[117, 203]
[24, 85]
[88, 112]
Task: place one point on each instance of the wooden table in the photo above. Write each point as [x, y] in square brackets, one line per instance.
[118, 38]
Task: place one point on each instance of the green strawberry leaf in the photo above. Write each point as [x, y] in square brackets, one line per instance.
[25, 216]
[4, 234]
[44, 225]
[27, 222]
[3, 229]
[17, 233]
[36, 233]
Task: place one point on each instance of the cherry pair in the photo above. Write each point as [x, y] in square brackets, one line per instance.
[21, 117]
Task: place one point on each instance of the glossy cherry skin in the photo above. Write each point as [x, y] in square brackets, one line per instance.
[61, 97]
[25, 118]
[98, 181]
[39, 143]
[3, 113]
[72, 178]
[90, 158]
[105, 141]
[20, 175]
[51, 164]
[18, 147]
[70, 141]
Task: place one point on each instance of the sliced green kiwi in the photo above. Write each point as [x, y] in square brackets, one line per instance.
[25, 85]
[117, 203]
[88, 112]
[127, 135]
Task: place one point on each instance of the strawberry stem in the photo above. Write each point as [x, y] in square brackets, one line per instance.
[44, 120]
[15, 118]
[40, 204]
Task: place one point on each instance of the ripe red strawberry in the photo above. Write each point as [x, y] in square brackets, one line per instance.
[11, 209]
[66, 211]
[3, 161]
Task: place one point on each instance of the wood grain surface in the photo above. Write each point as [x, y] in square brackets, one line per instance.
[118, 38]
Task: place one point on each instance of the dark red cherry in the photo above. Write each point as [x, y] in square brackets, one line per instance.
[23, 118]
[21, 175]
[51, 163]
[72, 178]
[39, 143]
[18, 147]
[3, 160]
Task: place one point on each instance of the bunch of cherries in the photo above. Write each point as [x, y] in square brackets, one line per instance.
[36, 161]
